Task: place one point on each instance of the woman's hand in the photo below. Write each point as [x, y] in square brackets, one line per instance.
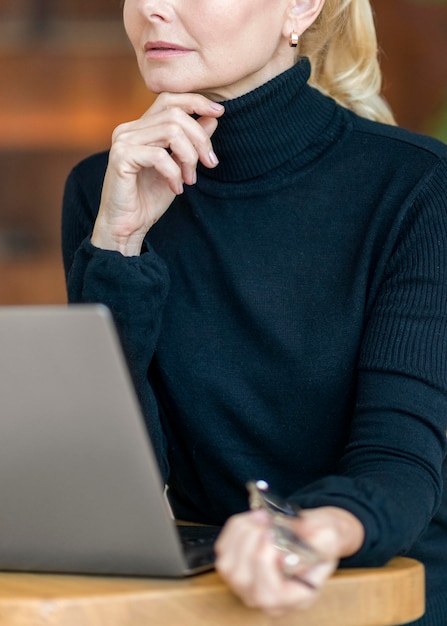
[254, 568]
[150, 161]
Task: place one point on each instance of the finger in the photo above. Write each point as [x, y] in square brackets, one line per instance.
[178, 132]
[317, 575]
[243, 553]
[317, 532]
[169, 136]
[190, 103]
[129, 162]
[293, 569]
[263, 585]
[187, 149]
[236, 552]
[209, 124]
[267, 580]
[242, 522]
[198, 132]
[273, 592]
[289, 595]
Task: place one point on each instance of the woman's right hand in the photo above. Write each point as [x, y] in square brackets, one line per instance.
[150, 161]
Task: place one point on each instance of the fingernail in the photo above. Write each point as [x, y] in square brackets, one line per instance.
[217, 107]
[179, 189]
[212, 157]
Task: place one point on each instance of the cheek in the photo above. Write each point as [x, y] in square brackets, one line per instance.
[242, 32]
[131, 21]
[221, 21]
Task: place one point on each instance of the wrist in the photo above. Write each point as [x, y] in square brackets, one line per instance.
[127, 245]
[349, 529]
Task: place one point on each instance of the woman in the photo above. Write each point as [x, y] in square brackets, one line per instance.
[275, 257]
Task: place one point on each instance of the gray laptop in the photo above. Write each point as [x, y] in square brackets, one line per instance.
[80, 490]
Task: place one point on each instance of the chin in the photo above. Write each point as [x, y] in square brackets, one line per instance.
[170, 84]
[168, 87]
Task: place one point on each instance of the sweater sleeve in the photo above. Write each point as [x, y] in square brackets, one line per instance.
[133, 288]
[390, 475]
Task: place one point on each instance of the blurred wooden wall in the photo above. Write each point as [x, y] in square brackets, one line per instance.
[68, 77]
[413, 38]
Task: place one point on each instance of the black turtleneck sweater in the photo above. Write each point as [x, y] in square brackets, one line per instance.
[287, 320]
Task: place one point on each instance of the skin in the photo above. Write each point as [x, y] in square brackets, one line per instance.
[212, 50]
[222, 60]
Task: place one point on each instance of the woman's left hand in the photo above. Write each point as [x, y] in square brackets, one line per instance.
[254, 568]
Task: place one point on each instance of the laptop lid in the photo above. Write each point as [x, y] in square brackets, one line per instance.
[80, 489]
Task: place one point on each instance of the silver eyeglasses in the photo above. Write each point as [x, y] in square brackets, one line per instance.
[297, 552]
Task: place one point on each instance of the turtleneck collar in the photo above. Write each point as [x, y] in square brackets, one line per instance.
[272, 125]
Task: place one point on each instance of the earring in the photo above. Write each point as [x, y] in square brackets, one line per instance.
[293, 39]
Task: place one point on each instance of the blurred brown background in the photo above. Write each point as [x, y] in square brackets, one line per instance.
[68, 77]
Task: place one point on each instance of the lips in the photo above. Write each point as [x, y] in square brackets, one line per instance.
[163, 46]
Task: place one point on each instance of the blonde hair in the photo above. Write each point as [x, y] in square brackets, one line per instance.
[342, 48]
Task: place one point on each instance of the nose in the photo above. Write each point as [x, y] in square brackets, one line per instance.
[157, 10]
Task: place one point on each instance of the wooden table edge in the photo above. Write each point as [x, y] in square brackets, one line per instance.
[351, 598]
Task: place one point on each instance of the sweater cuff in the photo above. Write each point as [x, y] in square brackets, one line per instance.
[99, 275]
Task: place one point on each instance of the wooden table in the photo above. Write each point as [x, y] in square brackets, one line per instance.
[361, 597]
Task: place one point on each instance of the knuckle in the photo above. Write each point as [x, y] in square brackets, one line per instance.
[176, 114]
[119, 131]
[173, 130]
[118, 152]
[242, 584]
[167, 99]
[265, 558]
